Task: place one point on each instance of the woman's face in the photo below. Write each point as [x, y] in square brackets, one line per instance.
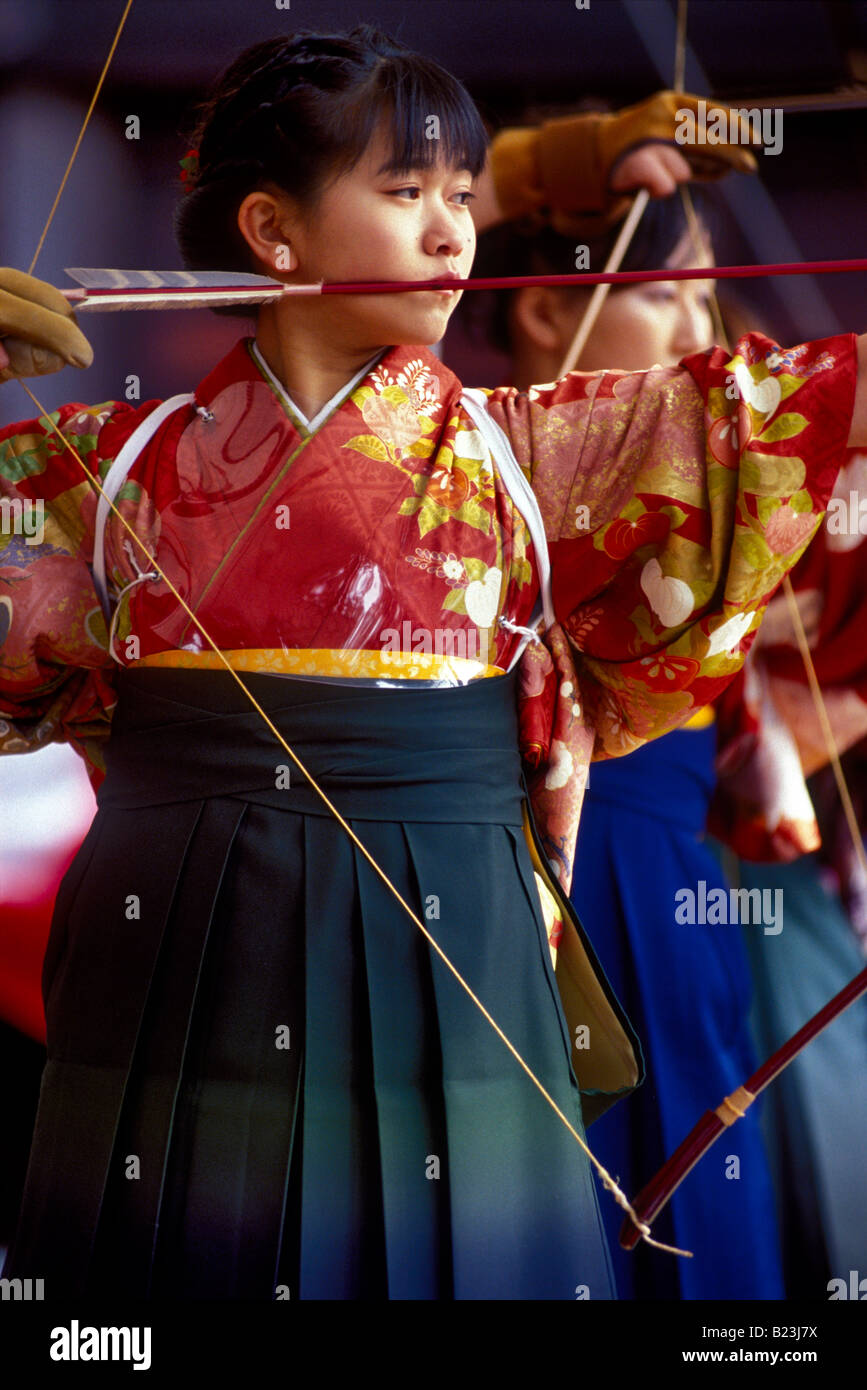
[375, 225]
[642, 325]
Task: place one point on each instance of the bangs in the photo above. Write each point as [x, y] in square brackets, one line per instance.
[413, 98]
[401, 97]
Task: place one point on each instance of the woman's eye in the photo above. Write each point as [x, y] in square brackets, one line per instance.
[659, 295]
[467, 195]
[411, 189]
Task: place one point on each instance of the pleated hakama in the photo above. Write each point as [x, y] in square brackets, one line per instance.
[262, 1081]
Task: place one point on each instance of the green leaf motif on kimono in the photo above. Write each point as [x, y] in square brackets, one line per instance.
[771, 474]
[633, 509]
[23, 464]
[765, 508]
[369, 445]
[478, 472]
[801, 501]
[676, 515]
[395, 395]
[430, 514]
[642, 621]
[83, 443]
[790, 384]
[130, 492]
[475, 568]
[427, 424]
[521, 572]
[718, 403]
[362, 394]
[784, 427]
[752, 549]
[455, 602]
[422, 448]
[720, 481]
[474, 515]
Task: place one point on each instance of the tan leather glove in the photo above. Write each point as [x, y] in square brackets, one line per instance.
[559, 172]
[42, 333]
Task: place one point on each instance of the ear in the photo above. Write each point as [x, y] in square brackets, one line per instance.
[263, 219]
[537, 313]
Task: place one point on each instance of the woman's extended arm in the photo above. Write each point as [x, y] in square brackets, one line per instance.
[574, 172]
[55, 672]
[675, 501]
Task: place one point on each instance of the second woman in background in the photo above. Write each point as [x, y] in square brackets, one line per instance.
[687, 987]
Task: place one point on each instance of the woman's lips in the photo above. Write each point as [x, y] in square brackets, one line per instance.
[450, 276]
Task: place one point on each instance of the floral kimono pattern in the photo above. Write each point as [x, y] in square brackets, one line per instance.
[769, 734]
[384, 543]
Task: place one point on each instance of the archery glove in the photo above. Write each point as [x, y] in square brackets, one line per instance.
[42, 333]
[559, 173]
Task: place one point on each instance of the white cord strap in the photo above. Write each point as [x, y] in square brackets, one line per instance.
[114, 481]
[475, 404]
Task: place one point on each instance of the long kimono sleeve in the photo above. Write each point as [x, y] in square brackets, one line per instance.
[770, 736]
[674, 502]
[55, 671]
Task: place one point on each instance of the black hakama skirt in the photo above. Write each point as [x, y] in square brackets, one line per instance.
[261, 1080]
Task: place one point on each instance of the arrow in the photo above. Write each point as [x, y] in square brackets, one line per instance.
[176, 289]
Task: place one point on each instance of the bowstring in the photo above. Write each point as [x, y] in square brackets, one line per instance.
[72, 158]
[605, 1177]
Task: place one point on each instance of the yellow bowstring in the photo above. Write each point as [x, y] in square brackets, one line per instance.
[84, 125]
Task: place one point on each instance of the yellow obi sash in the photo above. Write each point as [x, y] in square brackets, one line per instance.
[327, 661]
[701, 718]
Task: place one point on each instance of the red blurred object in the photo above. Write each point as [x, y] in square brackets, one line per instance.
[25, 920]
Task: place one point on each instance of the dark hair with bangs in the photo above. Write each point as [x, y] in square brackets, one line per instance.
[515, 249]
[300, 111]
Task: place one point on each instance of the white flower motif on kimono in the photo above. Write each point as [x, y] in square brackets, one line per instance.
[580, 628]
[727, 637]
[671, 600]
[470, 445]
[482, 597]
[613, 731]
[86, 417]
[422, 389]
[763, 396]
[396, 425]
[561, 766]
[444, 564]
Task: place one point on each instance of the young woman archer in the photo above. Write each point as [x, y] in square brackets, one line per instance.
[233, 998]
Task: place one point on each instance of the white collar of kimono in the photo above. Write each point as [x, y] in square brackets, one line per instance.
[336, 399]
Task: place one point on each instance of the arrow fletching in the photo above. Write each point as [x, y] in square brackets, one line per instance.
[105, 289]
